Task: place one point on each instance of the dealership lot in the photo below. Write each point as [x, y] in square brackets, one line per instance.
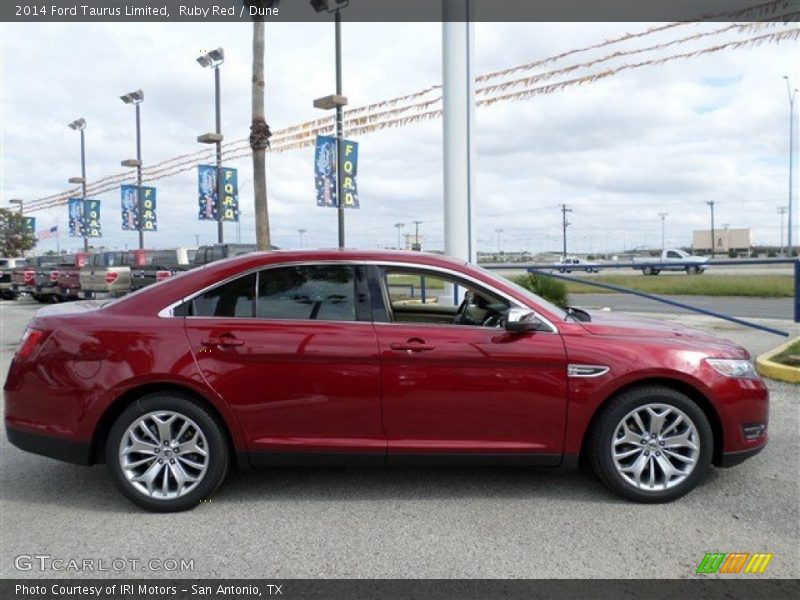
[326, 522]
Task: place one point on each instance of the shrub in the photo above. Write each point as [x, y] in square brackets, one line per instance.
[733, 254]
[547, 287]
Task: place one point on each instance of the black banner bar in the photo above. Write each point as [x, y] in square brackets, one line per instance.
[398, 10]
[744, 587]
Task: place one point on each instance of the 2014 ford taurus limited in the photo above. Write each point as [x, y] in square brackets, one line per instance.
[347, 357]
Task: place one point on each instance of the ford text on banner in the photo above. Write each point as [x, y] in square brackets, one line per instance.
[130, 208]
[84, 218]
[325, 172]
[207, 193]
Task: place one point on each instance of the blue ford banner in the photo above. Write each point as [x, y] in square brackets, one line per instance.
[207, 193]
[84, 218]
[130, 208]
[325, 172]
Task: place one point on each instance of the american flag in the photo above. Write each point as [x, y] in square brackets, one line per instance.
[46, 234]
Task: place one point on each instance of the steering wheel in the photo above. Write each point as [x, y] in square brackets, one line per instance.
[461, 312]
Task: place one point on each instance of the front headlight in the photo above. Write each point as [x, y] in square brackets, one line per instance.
[733, 367]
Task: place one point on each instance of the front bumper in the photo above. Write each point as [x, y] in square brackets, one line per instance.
[731, 459]
[70, 451]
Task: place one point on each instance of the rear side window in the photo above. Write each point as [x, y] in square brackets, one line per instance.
[233, 299]
[324, 292]
[162, 258]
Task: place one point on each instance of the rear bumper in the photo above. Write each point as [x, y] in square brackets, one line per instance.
[70, 451]
[731, 459]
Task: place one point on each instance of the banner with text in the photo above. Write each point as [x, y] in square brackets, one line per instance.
[207, 193]
[130, 208]
[325, 172]
[29, 224]
[84, 218]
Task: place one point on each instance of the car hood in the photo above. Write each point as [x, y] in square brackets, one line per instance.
[621, 324]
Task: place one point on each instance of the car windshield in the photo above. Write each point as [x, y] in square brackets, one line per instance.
[538, 300]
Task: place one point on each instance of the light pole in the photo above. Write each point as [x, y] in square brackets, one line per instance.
[302, 232]
[792, 93]
[136, 99]
[499, 233]
[19, 202]
[214, 59]
[80, 125]
[711, 204]
[564, 225]
[337, 101]
[399, 238]
[417, 245]
[663, 217]
[781, 212]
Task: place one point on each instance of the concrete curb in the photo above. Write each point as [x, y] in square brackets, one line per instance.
[774, 370]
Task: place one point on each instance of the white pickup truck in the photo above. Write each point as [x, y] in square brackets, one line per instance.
[671, 260]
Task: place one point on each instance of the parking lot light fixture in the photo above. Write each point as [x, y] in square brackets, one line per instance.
[136, 98]
[19, 202]
[80, 125]
[214, 59]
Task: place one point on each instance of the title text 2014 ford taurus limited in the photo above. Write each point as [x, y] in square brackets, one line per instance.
[347, 357]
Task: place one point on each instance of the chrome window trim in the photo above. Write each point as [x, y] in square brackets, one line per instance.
[167, 311]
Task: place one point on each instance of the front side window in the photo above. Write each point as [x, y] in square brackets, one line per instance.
[418, 296]
[314, 292]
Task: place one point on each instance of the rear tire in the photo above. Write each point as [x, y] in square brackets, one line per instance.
[651, 444]
[166, 453]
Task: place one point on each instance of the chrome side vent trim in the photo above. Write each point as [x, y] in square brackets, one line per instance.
[586, 370]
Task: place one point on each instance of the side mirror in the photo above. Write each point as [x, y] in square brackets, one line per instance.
[521, 320]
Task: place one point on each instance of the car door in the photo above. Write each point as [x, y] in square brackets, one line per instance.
[292, 351]
[470, 391]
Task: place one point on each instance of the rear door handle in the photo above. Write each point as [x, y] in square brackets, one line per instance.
[412, 345]
[226, 341]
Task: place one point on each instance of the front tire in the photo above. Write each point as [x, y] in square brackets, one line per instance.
[651, 444]
[167, 453]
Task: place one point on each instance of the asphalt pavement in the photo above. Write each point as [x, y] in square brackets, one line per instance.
[446, 522]
[735, 306]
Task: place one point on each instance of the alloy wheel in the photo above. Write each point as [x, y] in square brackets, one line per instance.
[164, 455]
[655, 447]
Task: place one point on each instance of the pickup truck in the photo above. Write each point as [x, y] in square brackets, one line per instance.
[68, 277]
[7, 266]
[207, 254]
[106, 274]
[152, 266]
[671, 260]
[33, 277]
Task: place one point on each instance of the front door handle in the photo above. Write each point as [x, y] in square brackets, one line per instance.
[412, 345]
[225, 341]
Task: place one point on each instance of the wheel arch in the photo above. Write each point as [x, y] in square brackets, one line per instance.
[124, 400]
[697, 396]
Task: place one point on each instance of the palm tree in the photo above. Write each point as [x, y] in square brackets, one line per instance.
[259, 132]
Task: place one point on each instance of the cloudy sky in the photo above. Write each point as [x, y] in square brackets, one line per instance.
[618, 151]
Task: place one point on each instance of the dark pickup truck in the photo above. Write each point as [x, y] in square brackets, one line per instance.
[68, 277]
[7, 266]
[39, 277]
[208, 254]
[152, 266]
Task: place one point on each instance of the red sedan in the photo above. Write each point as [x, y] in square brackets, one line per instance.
[347, 357]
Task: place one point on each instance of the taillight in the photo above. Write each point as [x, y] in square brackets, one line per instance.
[162, 275]
[111, 277]
[31, 339]
[30, 276]
[53, 275]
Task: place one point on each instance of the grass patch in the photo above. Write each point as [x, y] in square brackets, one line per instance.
[790, 356]
[757, 286]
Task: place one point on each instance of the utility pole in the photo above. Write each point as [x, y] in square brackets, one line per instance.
[781, 212]
[792, 93]
[663, 218]
[564, 225]
[399, 239]
[302, 232]
[499, 233]
[711, 204]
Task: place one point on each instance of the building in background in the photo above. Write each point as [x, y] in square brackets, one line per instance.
[725, 240]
